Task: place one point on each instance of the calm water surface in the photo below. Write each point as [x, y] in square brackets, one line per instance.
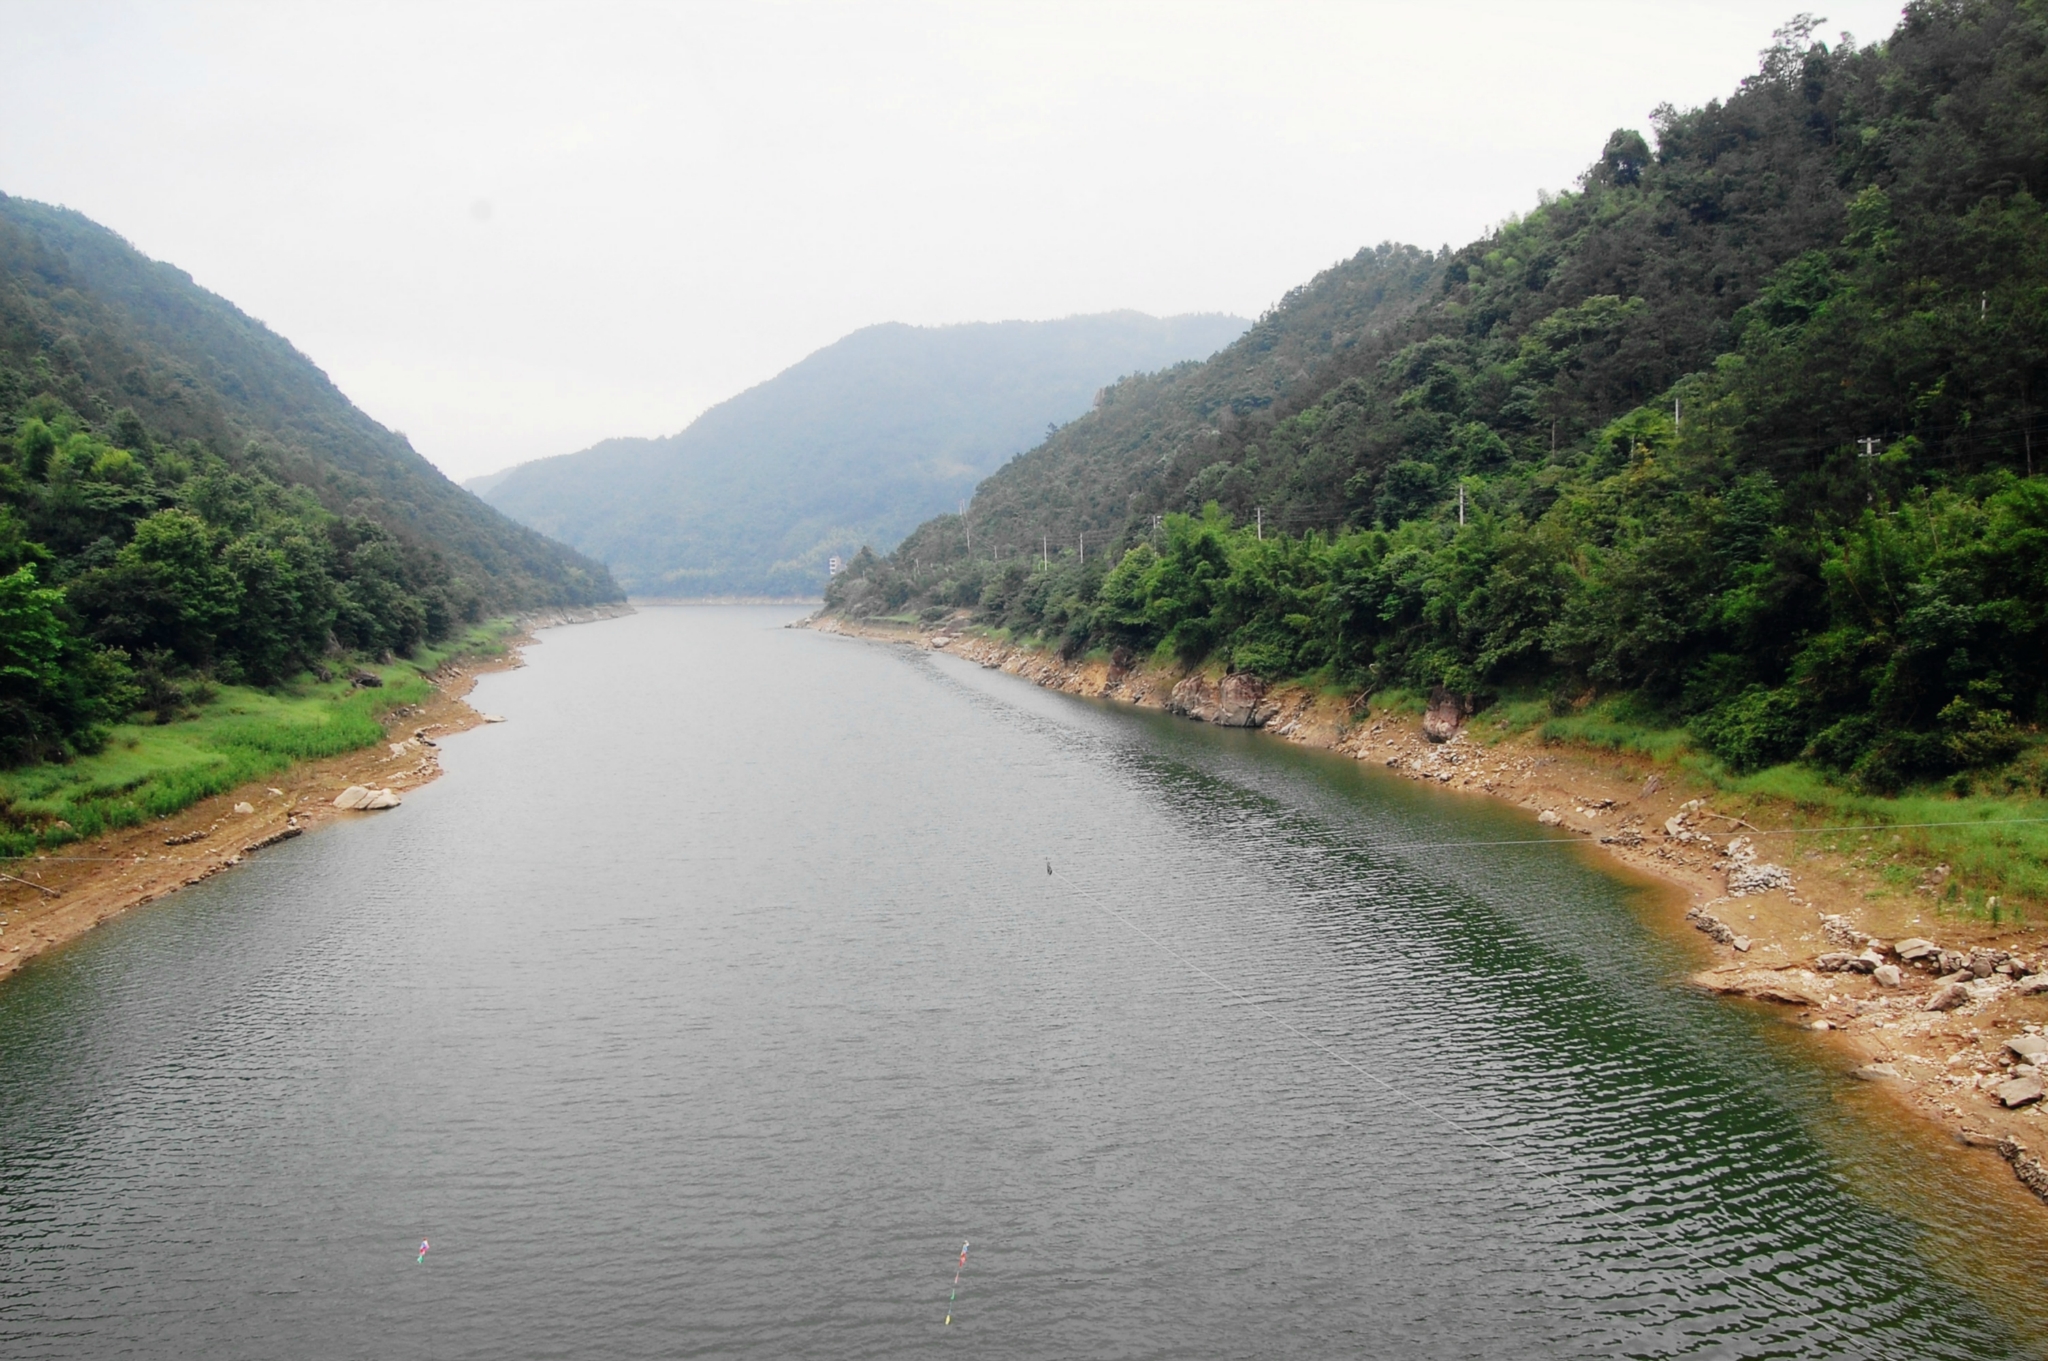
[707, 1006]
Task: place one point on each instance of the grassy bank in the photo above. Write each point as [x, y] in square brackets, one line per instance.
[238, 734]
[1996, 861]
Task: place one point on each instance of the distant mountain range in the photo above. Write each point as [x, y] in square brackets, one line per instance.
[852, 446]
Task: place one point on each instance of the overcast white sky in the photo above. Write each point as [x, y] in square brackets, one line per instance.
[510, 230]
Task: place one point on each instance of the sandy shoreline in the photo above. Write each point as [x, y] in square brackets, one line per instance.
[49, 900]
[1812, 937]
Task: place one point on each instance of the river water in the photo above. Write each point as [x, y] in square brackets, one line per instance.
[706, 1007]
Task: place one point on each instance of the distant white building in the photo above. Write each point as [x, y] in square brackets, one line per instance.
[833, 566]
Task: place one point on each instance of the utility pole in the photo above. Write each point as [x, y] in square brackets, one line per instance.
[1262, 523]
[1674, 416]
[2026, 423]
[1461, 501]
[1869, 443]
[1084, 548]
[1045, 550]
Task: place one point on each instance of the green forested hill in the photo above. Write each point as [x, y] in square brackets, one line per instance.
[855, 444]
[183, 493]
[1743, 429]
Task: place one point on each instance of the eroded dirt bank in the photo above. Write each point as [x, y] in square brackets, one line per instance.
[48, 900]
[1944, 1016]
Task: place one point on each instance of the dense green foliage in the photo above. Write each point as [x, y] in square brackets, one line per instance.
[1743, 428]
[185, 500]
[855, 444]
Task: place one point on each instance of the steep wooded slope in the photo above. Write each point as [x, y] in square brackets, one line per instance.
[185, 499]
[87, 318]
[1742, 429]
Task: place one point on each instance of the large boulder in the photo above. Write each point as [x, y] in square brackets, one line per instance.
[2020, 1091]
[1913, 949]
[1193, 697]
[1240, 702]
[1237, 701]
[2029, 1049]
[1445, 716]
[1948, 997]
[355, 796]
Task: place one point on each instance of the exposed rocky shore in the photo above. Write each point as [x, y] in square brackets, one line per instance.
[1946, 1016]
[51, 899]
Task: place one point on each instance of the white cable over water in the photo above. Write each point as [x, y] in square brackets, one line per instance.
[1494, 1146]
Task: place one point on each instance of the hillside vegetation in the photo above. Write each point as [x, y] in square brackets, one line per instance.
[1740, 436]
[186, 502]
[854, 445]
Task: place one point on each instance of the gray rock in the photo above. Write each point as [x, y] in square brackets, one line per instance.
[355, 796]
[1951, 961]
[1240, 702]
[1913, 949]
[1843, 932]
[381, 799]
[1761, 877]
[1888, 975]
[1714, 926]
[1877, 1072]
[2019, 1092]
[1548, 817]
[1984, 961]
[1948, 997]
[2033, 986]
[1445, 715]
[2029, 1049]
[1194, 697]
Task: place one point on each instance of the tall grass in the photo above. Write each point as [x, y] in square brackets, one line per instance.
[1997, 862]
[1997, 859]
[1617, 725]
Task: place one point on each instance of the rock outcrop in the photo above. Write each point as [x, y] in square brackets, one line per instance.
[1445, 716]
[1237, 701]
[361, 799]
[1715, 927]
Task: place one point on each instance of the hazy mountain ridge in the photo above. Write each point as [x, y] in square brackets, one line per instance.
[1123, 457]
[853, 445]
